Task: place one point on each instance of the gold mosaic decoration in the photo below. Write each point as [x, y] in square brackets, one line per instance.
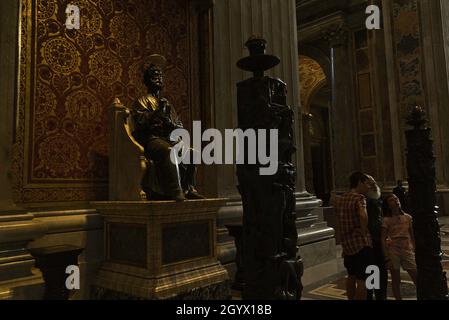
[311, 79]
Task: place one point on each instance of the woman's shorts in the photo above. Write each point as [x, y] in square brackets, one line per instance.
[405, 259]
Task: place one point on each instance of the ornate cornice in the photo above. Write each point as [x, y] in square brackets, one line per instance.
[327, 27]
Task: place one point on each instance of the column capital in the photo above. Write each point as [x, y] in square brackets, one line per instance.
[202, 5]
[336, 35]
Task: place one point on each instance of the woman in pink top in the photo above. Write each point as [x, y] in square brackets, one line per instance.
[398, 243]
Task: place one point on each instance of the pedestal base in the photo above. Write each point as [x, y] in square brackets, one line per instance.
[18, 279]
[29, 288]
[316, 239]
[160, 250]
[220, 291]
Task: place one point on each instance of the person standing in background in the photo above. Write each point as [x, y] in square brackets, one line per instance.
[375, 221]
[400, 192]
[352, 222]
[398, 242]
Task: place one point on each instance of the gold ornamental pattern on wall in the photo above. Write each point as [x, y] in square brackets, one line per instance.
[105, 66]
[61, 56]
[69, 78]
[409, 54]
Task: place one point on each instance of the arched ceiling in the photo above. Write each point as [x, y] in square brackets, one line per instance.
[311, 78]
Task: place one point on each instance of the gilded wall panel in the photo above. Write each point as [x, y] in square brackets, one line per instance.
[408, 50]
[68, 79]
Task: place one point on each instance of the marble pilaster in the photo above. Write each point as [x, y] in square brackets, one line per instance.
[397, 135]
[334, 32]
[275, 20]
[345, 150]
[9, 12]
[435, 40]
[18, 278]
[430, 68]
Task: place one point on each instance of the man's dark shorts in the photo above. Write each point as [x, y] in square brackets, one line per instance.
[357, 264]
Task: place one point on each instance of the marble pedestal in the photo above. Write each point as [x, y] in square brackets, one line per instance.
[315, 238]
[160, 250]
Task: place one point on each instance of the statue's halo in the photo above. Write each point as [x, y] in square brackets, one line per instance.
[155, 59]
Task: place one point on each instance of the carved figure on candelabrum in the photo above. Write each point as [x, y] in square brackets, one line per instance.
[272, 267]
[154, 119]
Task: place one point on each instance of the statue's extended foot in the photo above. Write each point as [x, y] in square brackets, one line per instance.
[192, 194]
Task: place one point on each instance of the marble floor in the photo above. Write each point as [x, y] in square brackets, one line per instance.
[316, 276]
[327, 281]
[335, 288]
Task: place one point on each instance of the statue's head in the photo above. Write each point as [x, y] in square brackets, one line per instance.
[153, 72]
[153, 77]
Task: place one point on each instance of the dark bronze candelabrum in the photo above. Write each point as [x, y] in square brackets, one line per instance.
[432, 282]
[271, 266]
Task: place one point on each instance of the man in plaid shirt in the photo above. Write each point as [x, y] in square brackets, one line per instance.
[352, 224]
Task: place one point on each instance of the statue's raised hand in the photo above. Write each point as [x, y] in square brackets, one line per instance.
[164, 105]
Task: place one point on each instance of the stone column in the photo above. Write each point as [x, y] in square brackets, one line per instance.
[18, 279]
[342, 111]
[275, 20]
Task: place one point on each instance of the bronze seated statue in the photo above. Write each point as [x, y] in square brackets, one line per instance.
[153, 119]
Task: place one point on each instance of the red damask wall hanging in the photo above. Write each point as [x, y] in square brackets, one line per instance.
[68, 79]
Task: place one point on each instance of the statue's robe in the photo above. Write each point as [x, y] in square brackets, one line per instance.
[150, 122]
[152, 126]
